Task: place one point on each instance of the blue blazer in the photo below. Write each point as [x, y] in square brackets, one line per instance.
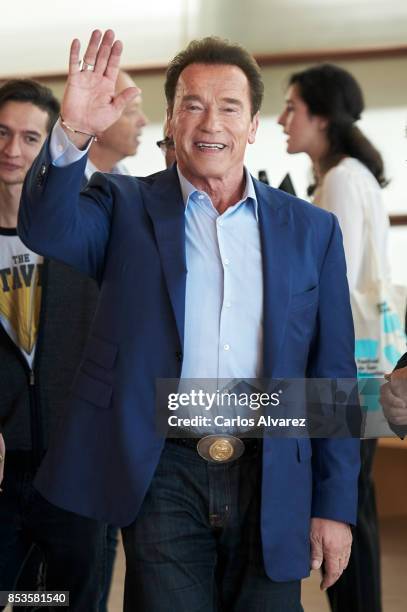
[129, 234]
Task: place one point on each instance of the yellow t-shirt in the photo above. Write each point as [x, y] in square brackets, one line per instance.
[20, 292]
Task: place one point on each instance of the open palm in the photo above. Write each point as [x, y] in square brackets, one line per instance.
[89, 103]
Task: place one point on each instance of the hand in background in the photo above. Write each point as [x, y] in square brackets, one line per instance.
[393, 397]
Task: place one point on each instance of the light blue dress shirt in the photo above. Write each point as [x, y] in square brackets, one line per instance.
[224, 288]
[223, 333]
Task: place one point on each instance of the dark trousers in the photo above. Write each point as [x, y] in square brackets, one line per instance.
[359, 588]
[195, 545]
[70, 545]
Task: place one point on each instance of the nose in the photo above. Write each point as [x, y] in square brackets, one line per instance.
[12, 147]
[143, 119]
[282, 118]
[210, 121]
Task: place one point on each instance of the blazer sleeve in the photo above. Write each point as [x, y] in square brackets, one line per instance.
[336, 461]
[59, 221]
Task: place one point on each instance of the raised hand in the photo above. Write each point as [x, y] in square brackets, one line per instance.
[89, 104]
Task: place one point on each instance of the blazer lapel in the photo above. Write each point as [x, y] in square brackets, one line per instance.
[166, 209]
[276, 235]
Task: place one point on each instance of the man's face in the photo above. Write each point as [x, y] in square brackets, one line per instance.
[211, 121]
[123, 137]
[23, 129]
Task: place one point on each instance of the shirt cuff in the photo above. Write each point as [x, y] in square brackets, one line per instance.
[62, 150]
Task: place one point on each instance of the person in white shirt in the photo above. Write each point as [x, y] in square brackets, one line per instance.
[322, 105]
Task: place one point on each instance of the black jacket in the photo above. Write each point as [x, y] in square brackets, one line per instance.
[31, 401]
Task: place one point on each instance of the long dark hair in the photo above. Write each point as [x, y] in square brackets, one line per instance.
[332, 92]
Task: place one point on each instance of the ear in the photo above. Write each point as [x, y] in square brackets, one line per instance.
[323, 123]
[254, 124]
[168, 122]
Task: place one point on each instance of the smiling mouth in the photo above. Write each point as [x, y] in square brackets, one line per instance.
[212, 146]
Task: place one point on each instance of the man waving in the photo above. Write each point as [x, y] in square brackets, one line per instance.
[205, 273]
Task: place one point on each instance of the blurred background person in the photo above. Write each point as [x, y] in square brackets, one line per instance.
[393, 398]
[45, 312]
[322, 106]
[120, 140]
[27, 111]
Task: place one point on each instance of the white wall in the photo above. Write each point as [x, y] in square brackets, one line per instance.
[35, 34]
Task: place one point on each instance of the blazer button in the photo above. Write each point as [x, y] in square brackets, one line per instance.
[41, 175]
[178, 355]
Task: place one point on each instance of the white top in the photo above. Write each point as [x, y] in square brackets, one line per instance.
[90, 169]
[350, 191]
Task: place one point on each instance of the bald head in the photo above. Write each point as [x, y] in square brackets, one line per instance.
[123, 137]
[123, 81]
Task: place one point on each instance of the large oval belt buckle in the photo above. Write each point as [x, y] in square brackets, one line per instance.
[220, 449]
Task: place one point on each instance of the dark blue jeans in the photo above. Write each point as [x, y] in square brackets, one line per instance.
[71, 545]
[195, 545]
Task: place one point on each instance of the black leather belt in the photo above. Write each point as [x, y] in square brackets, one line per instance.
[219, 448]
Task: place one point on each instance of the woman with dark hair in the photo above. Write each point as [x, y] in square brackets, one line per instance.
[323, 104]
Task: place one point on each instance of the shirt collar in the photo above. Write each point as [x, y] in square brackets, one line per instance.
[118, 168]
[188, 189]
